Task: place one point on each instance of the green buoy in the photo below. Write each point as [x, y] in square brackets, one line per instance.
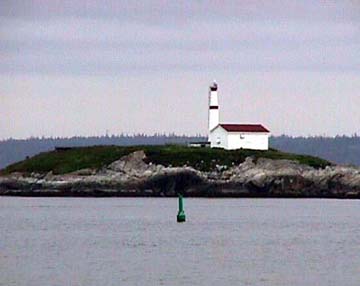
[181, 214]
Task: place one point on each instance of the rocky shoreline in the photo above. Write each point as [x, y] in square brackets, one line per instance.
[130, 176]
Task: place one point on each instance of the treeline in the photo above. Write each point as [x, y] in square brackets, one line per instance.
[339, 149]
[13, 150]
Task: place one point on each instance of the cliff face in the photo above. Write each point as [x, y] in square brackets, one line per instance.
[131, 176]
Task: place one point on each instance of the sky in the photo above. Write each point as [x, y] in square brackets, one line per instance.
[82, 68]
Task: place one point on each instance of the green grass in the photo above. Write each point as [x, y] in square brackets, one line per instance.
[96, 157]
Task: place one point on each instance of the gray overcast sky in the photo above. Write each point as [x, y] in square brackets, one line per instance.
[83, 67]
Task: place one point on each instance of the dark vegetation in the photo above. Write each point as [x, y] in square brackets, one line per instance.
[14, 150]
[96, 157]
[340, 149]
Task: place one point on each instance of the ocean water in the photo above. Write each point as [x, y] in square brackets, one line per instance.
[136, 241]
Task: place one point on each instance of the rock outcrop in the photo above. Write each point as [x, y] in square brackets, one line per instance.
[131, 176]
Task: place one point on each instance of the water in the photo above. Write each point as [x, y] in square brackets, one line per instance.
[136, 241]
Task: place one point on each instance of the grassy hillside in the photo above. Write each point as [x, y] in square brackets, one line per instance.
[66, 161]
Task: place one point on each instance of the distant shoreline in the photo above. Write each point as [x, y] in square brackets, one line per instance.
[340, 149]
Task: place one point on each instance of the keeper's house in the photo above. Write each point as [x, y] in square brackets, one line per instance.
[236, 136]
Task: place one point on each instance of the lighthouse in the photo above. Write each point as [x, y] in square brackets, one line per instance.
[213, 106]
[232, 136]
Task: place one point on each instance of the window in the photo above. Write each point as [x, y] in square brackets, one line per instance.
[242, 136]
[218, 140]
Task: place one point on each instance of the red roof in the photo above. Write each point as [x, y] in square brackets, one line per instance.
[244, 128]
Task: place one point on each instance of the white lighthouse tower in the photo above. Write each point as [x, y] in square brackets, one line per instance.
[214, 119]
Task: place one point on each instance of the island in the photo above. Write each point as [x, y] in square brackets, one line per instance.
[169, 170]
